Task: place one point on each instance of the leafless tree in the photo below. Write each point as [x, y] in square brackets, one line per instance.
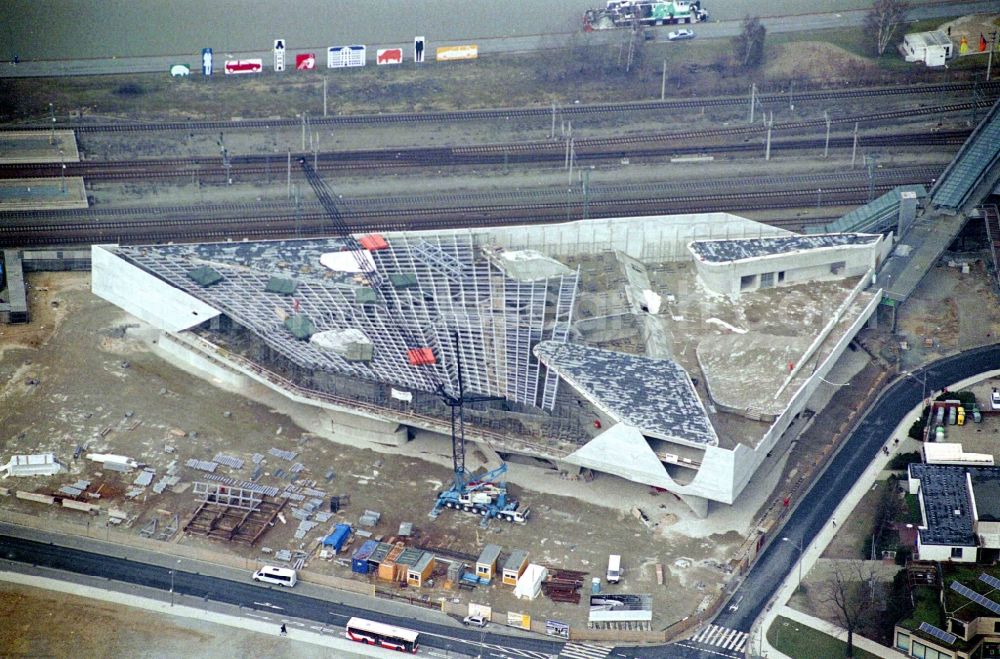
[883, 20]
[850, 592]
[748, 45]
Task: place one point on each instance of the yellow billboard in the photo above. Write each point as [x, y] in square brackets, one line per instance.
[445, 53]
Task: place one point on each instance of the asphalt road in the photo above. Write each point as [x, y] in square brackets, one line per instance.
[487, 46]
[817, 505]
[272, 600]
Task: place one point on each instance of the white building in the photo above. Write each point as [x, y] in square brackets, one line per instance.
[42, 464]
[931, 48]
[960, 507]
[731, 267]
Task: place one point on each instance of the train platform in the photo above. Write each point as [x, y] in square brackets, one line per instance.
[43, 194]
[38, 146]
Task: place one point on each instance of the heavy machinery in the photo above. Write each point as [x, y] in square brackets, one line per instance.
[635, 13]
[485, 495]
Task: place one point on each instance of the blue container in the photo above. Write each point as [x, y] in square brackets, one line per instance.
[359, 561]
[338, 538]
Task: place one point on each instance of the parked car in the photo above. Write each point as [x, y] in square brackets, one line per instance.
[681, 34]
[475, 621]
[995, 399]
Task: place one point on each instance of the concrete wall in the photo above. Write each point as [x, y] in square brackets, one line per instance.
[653, 238]
[943, 553]
[788, 269]
[143, 295]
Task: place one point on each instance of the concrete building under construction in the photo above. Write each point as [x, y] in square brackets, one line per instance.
[673, 351]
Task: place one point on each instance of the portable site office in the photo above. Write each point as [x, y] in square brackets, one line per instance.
[514, 566]
[420, 571]
[486, 565]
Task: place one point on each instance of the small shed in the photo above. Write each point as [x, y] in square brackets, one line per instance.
[382, 550]
[301, 326]
[338, 538]
[281, 285]
[359, 560]
[420, 571]
[514, 566]
[205, 276]
[389, 569]
[486, 564]
[931, 48]
[529, 584]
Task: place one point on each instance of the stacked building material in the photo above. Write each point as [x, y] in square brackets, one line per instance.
[564, 585]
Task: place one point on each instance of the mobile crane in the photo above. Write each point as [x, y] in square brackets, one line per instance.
[485, 495]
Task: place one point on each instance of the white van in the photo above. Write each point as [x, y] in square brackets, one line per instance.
[614, 568]
[280, 576]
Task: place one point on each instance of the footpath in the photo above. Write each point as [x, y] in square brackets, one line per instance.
[759, 645]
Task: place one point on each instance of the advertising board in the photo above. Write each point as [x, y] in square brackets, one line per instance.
[389, 56]
[244, 66]
[445, 53]
[206, 61]
[305, 61]
[338, 57]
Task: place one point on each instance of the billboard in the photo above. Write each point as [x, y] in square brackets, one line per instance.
[389, 56]
[244, 66]
[556, 628]
[339, 57]
[305, 61]
[206, 61]
[279, 55]
[418, 49]
[445, 53]
[519, 620]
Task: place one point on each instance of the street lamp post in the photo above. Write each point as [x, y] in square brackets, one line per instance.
[797, 545]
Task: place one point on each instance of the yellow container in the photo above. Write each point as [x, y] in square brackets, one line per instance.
[961, 415]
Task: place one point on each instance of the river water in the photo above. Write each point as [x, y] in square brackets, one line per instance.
[78, 29]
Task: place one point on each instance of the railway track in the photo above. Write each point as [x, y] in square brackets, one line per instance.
[694, 188]
[285, 224]
[593, 151]
[990, 89]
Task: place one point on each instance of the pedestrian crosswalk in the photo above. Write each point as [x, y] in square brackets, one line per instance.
[584, 651]
[722, 637]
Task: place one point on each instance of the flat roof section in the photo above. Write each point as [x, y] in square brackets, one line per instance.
[986, 489]
[653, 395]
[38, 146]
[945, 492]
[724, 251]
[42, 194]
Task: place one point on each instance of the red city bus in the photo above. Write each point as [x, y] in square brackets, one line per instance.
[377, 633]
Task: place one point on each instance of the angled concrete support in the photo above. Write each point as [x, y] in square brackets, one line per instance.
[698, 504]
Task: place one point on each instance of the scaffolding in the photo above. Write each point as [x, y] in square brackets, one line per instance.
[448, 290]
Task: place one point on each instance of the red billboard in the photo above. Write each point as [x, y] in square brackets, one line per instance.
[305, 61]
[389, 56]
[244, 66]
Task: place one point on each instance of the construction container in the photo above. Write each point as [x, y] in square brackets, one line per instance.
[486, 564]
[381, 551]
[359, 561]
[530, 583]
[389, 569]
[939, 434]
[939, 418]
[514, 566]
[454, 574]
[420, 571]
[952, 415]
[338, 538]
